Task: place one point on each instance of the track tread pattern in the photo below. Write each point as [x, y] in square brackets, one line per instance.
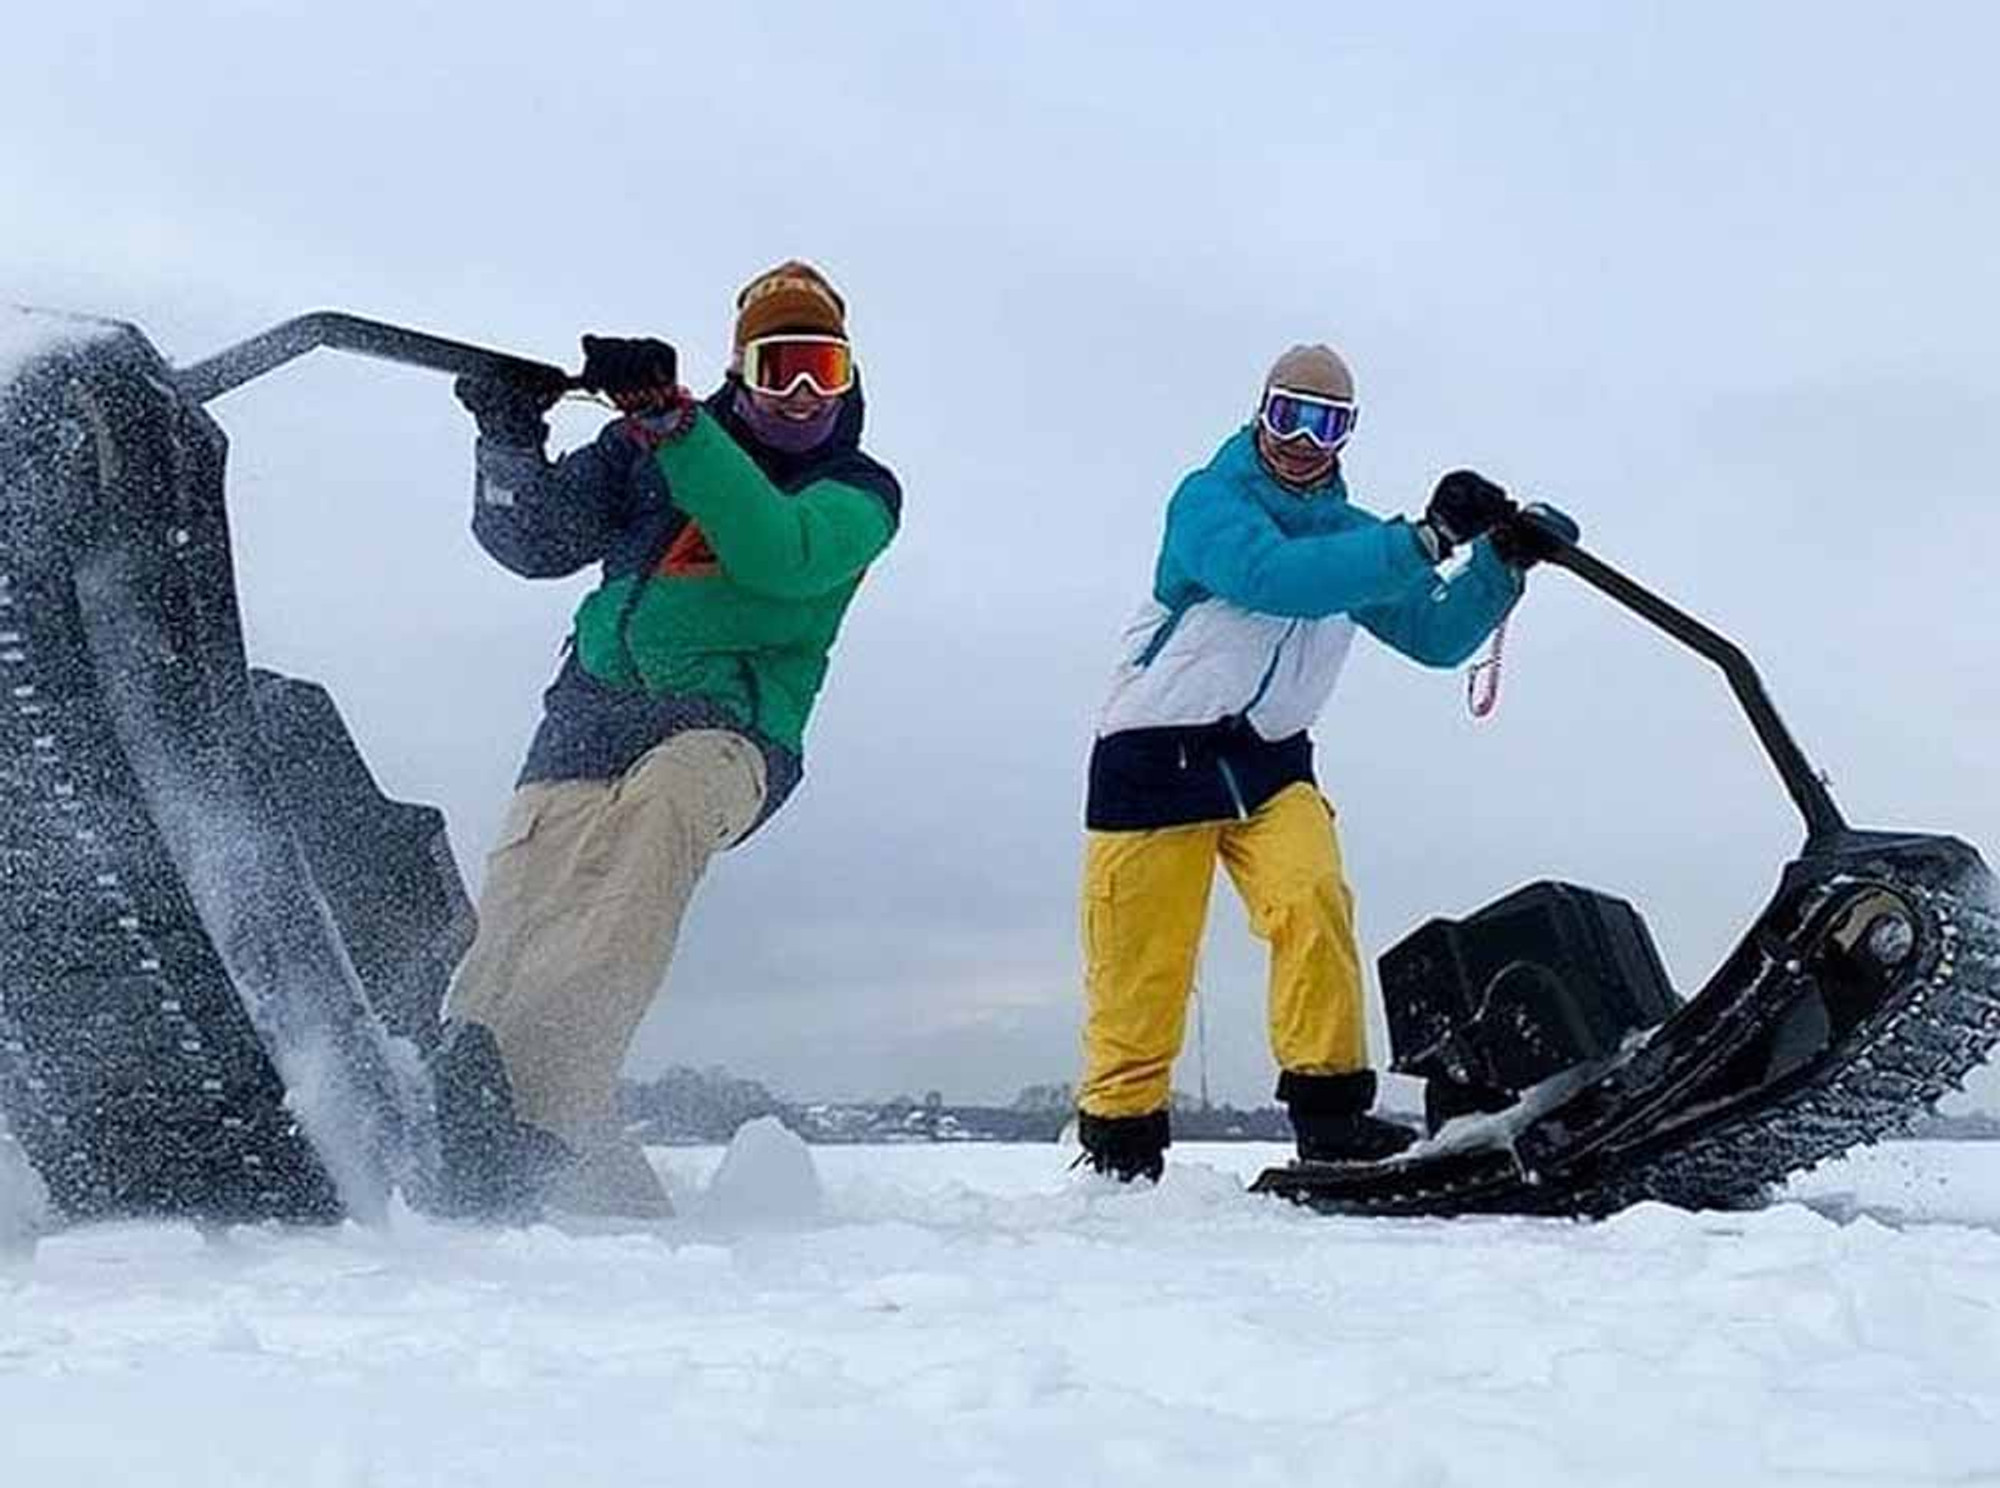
[1913, 1054]
[1940, 1021]
[129, 1072]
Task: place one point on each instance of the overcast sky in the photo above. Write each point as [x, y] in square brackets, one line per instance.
[1717, 278]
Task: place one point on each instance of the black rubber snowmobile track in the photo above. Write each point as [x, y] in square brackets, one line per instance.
[1866, 990]
[1802, 1046]
[183, 849]
[1938, 1020]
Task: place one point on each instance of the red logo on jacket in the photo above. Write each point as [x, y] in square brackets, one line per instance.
[689, 556]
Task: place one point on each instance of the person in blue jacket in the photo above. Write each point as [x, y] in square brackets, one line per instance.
[1265, 576]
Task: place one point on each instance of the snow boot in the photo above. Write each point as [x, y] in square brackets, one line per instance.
[1125, 1147]
[1446, 1100]
[495, 1166]
[1330, 1118]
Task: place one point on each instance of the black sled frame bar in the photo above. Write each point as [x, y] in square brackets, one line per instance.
[1825, 826]
[247, 360]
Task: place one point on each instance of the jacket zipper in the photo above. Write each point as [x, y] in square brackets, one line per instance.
[1271, 670]
[655, 555]
[1229, 780]
[1158, 641]
[1235, 791]
[755, 688]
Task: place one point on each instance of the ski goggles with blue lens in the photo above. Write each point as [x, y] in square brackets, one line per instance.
[1287, 414]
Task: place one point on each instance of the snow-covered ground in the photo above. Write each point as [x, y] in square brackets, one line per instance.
[974, 1315]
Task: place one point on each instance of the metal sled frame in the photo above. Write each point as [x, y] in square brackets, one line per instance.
[1865, 991]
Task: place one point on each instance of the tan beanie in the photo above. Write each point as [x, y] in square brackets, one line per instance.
[1313, 369]
[794, 296]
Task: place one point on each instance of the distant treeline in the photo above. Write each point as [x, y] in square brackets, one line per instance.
[684, 1105]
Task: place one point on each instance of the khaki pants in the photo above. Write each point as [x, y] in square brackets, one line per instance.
[1145, 905]
[578, 917]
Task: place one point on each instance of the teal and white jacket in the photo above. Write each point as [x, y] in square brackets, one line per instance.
[1256, 598]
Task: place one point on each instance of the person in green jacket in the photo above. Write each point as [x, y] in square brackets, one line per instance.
[732, 535]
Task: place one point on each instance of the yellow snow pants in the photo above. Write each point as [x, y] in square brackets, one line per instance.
[1145, 905]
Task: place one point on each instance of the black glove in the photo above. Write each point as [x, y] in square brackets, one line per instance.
[1533, 534]
[508, 412]
[1466, 505]
[624, 367]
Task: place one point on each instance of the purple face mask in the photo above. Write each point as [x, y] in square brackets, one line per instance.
[793, 436]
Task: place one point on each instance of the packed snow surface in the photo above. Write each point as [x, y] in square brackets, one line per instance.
[974, 1315]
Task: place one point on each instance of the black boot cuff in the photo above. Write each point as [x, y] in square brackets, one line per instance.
[1327, 1095]
[1122, 1133]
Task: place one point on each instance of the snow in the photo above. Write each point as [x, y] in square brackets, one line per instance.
[962, 1314]
[23, 1199]
[767, 1174]
[28, 334]
[360, 1094]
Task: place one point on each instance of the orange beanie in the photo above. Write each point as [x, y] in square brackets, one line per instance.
[794, 296]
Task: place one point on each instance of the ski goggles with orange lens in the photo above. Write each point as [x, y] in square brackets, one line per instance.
[1327, 422]
[778, 364]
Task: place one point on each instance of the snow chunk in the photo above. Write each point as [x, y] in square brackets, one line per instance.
[27, 335]
[767, 1174]
[235, 1336]
[24, 1202]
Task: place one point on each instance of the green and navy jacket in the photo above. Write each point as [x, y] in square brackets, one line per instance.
[1256, 597]
[727, 569]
